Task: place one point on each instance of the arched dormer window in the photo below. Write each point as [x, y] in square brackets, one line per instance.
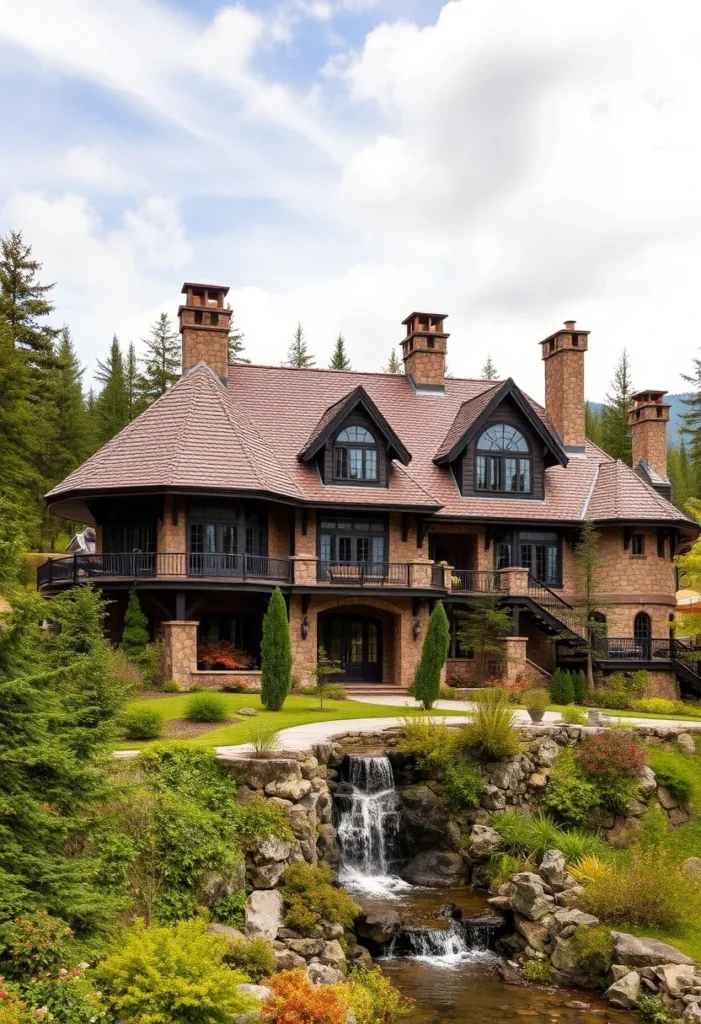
[355, 455]
[503, 461]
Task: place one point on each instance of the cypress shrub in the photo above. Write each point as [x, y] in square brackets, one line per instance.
[427, 681]
[135, 638]
[561, 687]
[579, 682]
[275, 654]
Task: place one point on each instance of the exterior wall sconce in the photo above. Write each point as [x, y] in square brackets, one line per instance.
[304, 628]
[416, 629]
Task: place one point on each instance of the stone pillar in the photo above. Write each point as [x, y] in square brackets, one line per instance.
[303, 648]
[420, 574]
[179, 651]
[513, 581]
[515, 655]
[304, 569]
[448, 577]
[563, 353]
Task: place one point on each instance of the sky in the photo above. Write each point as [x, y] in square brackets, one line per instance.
[344, 162]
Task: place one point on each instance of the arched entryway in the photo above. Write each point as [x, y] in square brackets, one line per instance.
[355, 640]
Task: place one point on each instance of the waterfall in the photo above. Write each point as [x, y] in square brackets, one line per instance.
[462, 940]
[369, 825]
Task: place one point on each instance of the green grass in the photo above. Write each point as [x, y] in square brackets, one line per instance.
[630, 714]
[297, 711]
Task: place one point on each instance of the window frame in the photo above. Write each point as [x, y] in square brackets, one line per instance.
[637, 539]
[364, 453]
[492, 471]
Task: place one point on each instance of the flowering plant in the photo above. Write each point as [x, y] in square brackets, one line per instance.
[223, 654]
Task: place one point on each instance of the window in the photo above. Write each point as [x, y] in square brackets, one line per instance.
[535, 550]
[129, 539]
[226, 541]
[508, 470]
[638, 544]
[642, 631]
[351, 541]
[355, 455]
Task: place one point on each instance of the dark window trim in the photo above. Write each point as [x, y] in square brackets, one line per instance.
[637, 541]
[342, 451]
[512, 541]
[498, 457]
[342, 531]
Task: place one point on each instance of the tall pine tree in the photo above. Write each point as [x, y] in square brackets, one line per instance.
[132, 383]
[112, 404]
[489, 370]
[236, 346]
[339, 359]
[681, 475]
[298, 354]
[18, 477]
[615, 431]
[395, 364]
[691, 419]
[592, 424]
[162, 361]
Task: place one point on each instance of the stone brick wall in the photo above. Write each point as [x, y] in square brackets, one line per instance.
[170, 534]
[179, 651]
[564, 393]
[650, 442]
[278, 531]
[203, 343]
[426, 365]
[216, 680]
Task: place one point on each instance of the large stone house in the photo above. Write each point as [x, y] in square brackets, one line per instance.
[367, 497]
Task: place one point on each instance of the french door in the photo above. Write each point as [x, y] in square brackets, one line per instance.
[355, 643]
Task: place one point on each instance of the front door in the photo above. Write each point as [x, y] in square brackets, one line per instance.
[355, 642]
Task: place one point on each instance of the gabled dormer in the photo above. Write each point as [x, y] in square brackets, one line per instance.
[353, 444]
[499, 447]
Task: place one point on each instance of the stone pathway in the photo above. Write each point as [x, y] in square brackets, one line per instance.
[302, 737]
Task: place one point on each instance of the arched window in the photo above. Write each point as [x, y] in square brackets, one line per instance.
[355, 455]
[642, 631]
[507, 467]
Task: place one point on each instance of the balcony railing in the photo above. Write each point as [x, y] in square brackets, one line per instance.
[364, 574]
[475, 581]
[162, 565]
[630, 648]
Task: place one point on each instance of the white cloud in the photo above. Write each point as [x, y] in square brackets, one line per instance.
[91, 165]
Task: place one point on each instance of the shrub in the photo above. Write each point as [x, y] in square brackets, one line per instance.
[143, 724]
[673, 771]
[515, 690]
[331, 691]
[463, 785]
[222, 654]
[429, 741]
[573, 715]
[539, 972]
[275, 654]
[295, 1000]
[170, 686]
[254, 957]
[160, 974]
[654, 829]
[450, 693]
[611, 754]
[206, 707]
[569, 796]
[34, 944]
[501, 867]
[593, 950]
[491, 734]
[230, 909]
[645, 891]
[68, 998]
[309, 896]
[536, 699]
[652, 1009]
[613, 700]
[434, 651]
[263, 737]
[12, 1009]
[579, 683]
[561, 687]
[135, 636]
[373, 999]
[656, 706]
[524, 835]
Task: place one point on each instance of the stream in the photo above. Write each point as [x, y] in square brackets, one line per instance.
[440, 958]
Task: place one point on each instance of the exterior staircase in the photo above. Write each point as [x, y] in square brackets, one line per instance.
[374, 690]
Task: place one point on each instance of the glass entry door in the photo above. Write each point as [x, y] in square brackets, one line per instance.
[355, 643]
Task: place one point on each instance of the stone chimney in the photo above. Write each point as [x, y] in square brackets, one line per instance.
[424, 351]
[648, 420]
[204, 326]
[563, 353]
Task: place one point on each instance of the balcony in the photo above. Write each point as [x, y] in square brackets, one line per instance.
[475, 581]
[163, 565]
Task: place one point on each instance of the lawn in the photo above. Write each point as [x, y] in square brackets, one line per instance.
[297, 711]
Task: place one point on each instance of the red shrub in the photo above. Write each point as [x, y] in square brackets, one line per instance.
[295, 1000]
[612, 753]
[12, 1010]
[223, 653]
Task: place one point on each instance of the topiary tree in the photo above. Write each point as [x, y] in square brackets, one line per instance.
[561, 687]
[579, 682]
[275, 654]
[135, 638]
[427, 681]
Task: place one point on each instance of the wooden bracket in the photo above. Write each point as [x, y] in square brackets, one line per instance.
[421, 531]
[406, 522]
[306, 600]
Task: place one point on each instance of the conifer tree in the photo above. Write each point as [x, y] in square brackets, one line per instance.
[579, 683]
[298, 354]
[395, 364]
[680, 475]
[339, 359]
[615, 431]
[17, 474]
[489, 370]
[691, 421]
[24, 304]
[562, 687]
[236, 346]
[584, 618]
[275, 654]
[592, 424]
[135, 636]
[112, 405]
[71, 439]
[483, 630]
[132, 383]
[162, 361]
[434, 651]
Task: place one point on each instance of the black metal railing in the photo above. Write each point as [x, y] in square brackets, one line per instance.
[161, 565]
[364, 574]
[554, 605]
[437, 576]
[631, 648]
[476, 581]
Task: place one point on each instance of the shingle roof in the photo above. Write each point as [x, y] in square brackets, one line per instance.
[248, 438]
[194, 436]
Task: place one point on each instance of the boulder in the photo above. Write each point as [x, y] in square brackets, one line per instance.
[570, 897]
[309, 767]
[493, 798]
[537, 780]
[260, 992]
[546, 753]
[677, 979]
[685, 742]
[333, 956]
[529, 898]
[648, 782]
[623, 994]
[666, 798]
[425, 815]
[565, 960]
[535, 933]
[326, 844]
[635, 951]
[323, 974]
[324, 809]
[563, 920]
[624, 832]
[233, 934]
[266, 876]
[257, 772]
[484, 841]
[248, 712]
[306, 948]
[302, 822]
[286, 960]
[692, 867]
[553, 868]
[435, 869]
[692, 1013]
[289, 787]
[332, 931]
[271, 849]
[678, 816]
[215, 885]
[263, 914]
[378, 925]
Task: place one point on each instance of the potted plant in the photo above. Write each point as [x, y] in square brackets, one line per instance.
[536, 702]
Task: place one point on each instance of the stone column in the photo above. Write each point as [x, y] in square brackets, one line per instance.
[304, 569]
[179, 651]
[515, 654]
[513, 581]
[420, 574]
[303, 649]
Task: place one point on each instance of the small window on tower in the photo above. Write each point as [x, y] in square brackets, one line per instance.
[198, 316]
[638, 544]
[575, 340]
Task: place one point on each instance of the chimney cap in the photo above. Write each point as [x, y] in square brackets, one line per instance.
[432, 316]
[648, 395]
[569, 324]
[210, 287]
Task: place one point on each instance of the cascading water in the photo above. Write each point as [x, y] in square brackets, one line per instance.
[369, 825]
